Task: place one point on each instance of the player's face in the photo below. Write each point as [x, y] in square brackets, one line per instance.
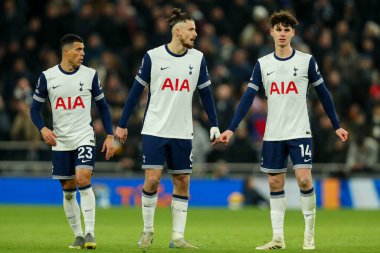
[75, 54]
[282, 35]
[187, 34]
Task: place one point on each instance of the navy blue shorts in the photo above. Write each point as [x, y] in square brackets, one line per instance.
[177, 153]
[66, 162]
[275, 155]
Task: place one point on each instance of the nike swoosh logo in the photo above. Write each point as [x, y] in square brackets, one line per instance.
[270, 73]
[84, 161]
[307, 160]
[56, 86]
[162, 68]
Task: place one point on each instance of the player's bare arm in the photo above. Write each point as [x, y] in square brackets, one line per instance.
[121, 134]
[342, 134]
[226, 136]
[108, 146]
[49, 136]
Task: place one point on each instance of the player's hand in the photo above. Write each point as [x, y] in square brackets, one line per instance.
[226, 136]
[342, 134]
[214, 135]
[108, 145]
[121, 134]
[49, 136]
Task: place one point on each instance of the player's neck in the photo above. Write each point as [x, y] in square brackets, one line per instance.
[176, 48]
[67, 67]
[284, 52]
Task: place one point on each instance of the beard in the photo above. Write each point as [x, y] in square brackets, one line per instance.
[188, 45]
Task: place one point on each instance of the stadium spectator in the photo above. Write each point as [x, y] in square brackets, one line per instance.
[362, 154]
[224, 104]
[241, 149]
[287, 130]
[173, 72]
[201, 145]
[5, 123]
[27, 32]
[70, 86]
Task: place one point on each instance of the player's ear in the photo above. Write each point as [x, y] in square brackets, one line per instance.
[271, 31]
[178, 32]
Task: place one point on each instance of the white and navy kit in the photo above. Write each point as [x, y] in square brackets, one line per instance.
[286, 82]
[168, 127]
[70, 95]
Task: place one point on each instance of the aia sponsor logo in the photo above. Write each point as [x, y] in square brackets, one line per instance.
[176, 85]
[69, 103]
[283, 88]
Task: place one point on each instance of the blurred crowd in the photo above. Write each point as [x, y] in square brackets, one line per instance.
[341, 34]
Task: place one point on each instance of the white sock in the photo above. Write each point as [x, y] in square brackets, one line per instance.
[72, 211]
[308, 209]
[87, 204]
[277, 214]
[179, 212]
[149, 203]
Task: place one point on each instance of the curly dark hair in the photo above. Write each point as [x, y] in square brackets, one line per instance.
[283, 17]
[178, 16]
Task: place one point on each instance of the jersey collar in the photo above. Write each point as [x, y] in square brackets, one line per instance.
[173, 54]
[284, 59]
[67, 73]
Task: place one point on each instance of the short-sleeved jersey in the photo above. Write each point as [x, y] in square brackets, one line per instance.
[70, 95]
[172, 80]
[286, 83]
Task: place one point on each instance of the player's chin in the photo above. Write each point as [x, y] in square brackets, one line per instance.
[190, 45]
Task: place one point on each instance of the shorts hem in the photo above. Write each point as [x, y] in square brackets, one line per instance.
[154, 167]
[84, 167]
[62, 177]
[189, 171]
[302, 166]
[266, 170]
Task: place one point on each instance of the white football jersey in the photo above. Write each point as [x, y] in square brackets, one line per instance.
[172, 80]
[70, 96]
[286, 83]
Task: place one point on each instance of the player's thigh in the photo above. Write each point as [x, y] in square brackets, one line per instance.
[301, 151]
[154, 151]
[274, 157]
[63, 165]
[180, 156]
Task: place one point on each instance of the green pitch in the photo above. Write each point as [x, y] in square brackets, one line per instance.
[45, 229]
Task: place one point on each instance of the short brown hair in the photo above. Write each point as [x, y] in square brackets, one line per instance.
[283, 17]
[178, 16]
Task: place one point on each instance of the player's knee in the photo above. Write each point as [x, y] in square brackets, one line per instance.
[82, 181]
[276, 183]
[69, 195]
[304, 183]
[153, 181]
[181, 180]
